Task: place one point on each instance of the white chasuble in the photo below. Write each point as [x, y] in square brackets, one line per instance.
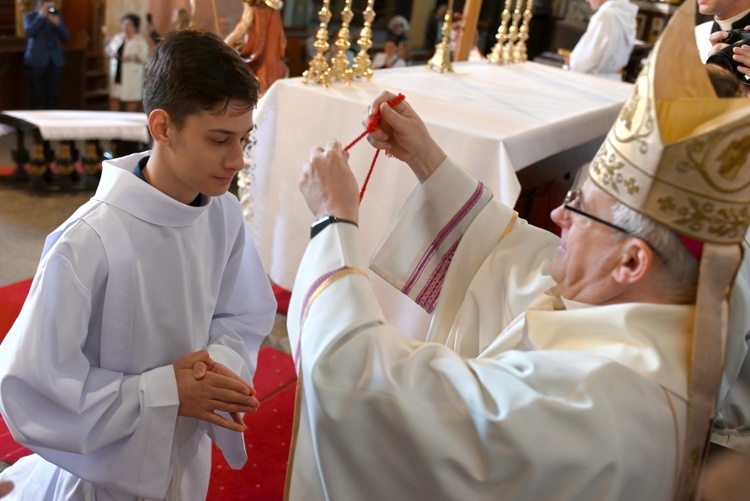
[515, 395]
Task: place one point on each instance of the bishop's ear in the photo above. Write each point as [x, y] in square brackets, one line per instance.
[158, 125]
[636, 261]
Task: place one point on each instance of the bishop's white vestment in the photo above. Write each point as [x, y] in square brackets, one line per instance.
[128, 284]
[517, 393]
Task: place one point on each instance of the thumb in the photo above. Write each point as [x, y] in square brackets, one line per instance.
[199, 370]
[392, 117]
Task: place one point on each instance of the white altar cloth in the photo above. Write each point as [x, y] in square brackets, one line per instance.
[493, 120]
[75, 124]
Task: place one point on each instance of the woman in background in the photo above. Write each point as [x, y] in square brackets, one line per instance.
[127, 52]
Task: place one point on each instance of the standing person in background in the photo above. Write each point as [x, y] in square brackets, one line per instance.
[127, 52]
[728, 14]
[605, 47]
[45, 31]
[433, 33]
[152, 36]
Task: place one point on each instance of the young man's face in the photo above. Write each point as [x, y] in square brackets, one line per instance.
[205, 154]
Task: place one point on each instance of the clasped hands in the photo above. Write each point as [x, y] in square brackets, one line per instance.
[328, 183]
[205, 386]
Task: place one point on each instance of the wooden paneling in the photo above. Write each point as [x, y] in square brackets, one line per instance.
[7, 18]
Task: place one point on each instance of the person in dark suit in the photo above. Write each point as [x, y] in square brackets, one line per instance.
[45, 30]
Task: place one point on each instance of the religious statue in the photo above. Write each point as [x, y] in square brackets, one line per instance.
[265, 43]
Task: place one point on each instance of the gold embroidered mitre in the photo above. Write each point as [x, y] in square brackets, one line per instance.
[678, 153]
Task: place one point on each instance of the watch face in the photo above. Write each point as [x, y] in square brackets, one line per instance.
[321, 223]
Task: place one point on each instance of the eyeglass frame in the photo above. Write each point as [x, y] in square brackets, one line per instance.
[572, 195]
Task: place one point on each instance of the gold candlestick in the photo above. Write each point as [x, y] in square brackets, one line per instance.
[508, 54]
[319, 71]
[441, 60]
[340, 69]
[362, 63]
[519, 52]
[497, 54]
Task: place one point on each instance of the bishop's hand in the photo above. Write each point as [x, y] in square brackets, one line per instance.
[328, 184]
[404, 135]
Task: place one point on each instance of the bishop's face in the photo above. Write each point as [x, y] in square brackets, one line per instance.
[589, 251]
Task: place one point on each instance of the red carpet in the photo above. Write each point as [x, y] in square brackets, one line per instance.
[282, 298]
[267, 437]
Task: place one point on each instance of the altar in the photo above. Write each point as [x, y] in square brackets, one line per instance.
[65, 167]
[493, 120]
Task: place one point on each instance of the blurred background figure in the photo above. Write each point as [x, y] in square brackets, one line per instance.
[261, 25]
[727, 15]
[389, 58]
[45, 31]
[226, 25]
[398, 27]
[433, 33]
[605, 47]
[398, 30]
[127, 52]
[152, 35]
[457, 28]
[180, 19]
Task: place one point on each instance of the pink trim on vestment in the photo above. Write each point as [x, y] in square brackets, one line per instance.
[441, 236]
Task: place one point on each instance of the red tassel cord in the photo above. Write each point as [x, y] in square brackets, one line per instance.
[372, 125]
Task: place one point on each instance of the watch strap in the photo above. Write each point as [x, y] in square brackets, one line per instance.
[323, 222]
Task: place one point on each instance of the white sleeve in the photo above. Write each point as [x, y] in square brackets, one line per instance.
[59, 403]
[244, 315]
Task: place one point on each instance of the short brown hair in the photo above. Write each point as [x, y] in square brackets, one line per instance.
[724, 82]
[194, 70]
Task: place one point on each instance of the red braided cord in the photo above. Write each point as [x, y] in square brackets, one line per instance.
[373, 124]
[367, 178]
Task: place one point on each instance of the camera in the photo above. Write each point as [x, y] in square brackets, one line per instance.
[52, 10]
[723, 57]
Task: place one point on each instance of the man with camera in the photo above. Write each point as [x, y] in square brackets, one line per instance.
[728, 15]
[45, 31]
[730, 50]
